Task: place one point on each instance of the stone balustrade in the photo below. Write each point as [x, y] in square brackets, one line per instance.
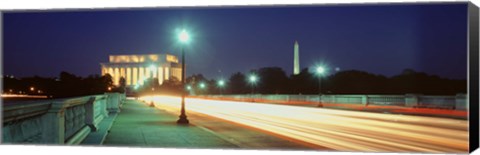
[60, 121]
[458, 102]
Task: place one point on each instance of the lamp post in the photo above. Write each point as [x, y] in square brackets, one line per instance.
[221, 84]
[202, 85]
[253, 80]
[320, 70]
[183, 37]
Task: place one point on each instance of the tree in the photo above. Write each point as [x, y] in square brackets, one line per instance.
[303, 83]
[411, 81]
[274, 80]
[356, 82]
[122, 85]
[237, 84]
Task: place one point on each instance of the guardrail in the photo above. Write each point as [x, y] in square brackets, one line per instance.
[457, 102]
[61, 121]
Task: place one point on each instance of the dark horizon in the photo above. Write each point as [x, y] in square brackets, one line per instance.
[379, 39]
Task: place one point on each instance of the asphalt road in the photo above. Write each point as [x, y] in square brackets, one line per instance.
[337, 129]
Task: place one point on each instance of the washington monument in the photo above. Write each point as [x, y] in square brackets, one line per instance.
[296, 59]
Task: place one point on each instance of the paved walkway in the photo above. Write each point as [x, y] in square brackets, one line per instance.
[139, 125]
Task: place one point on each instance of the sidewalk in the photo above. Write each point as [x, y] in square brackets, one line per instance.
[140, 125]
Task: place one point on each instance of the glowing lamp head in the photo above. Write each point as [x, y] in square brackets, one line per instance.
[202, 85]
[221, 83]
[189, 87]
[320, 70]
[253, 78]
[183, 36]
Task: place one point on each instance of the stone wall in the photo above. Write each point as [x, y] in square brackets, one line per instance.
[61, 121]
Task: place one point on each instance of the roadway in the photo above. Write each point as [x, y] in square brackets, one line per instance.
[340, 130]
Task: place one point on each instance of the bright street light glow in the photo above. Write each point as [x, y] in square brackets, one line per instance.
[202, 85]
[253, 78]
[184, 36]
[320, 70]
[221, 83]
[189, 87]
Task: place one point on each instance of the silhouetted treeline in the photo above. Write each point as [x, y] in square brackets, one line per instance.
[273, 80]
[66, 85]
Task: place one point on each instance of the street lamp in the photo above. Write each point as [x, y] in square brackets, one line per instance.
[320, 71]
[253, 80]
[184, 38]
[221, 84]
[202, 85]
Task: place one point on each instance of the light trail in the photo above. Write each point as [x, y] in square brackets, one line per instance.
[337, 129]
[22, 96]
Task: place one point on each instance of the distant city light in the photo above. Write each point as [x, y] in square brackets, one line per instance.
[109, 88]
[189, 87]
[184, 36]
[32, 88]
[337, 69]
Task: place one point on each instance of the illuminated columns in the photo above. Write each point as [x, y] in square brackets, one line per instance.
[179, 73]
[147, 73]
[154, 72]
[129, 76]
[167, 73]
[140, 71]
[110, 71]
[160, 75]
[117, 76]
[135, 75]
[122, 72]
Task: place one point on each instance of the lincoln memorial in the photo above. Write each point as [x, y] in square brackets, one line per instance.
[137, 68]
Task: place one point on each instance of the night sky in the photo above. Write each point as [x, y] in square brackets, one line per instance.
[381, 39]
